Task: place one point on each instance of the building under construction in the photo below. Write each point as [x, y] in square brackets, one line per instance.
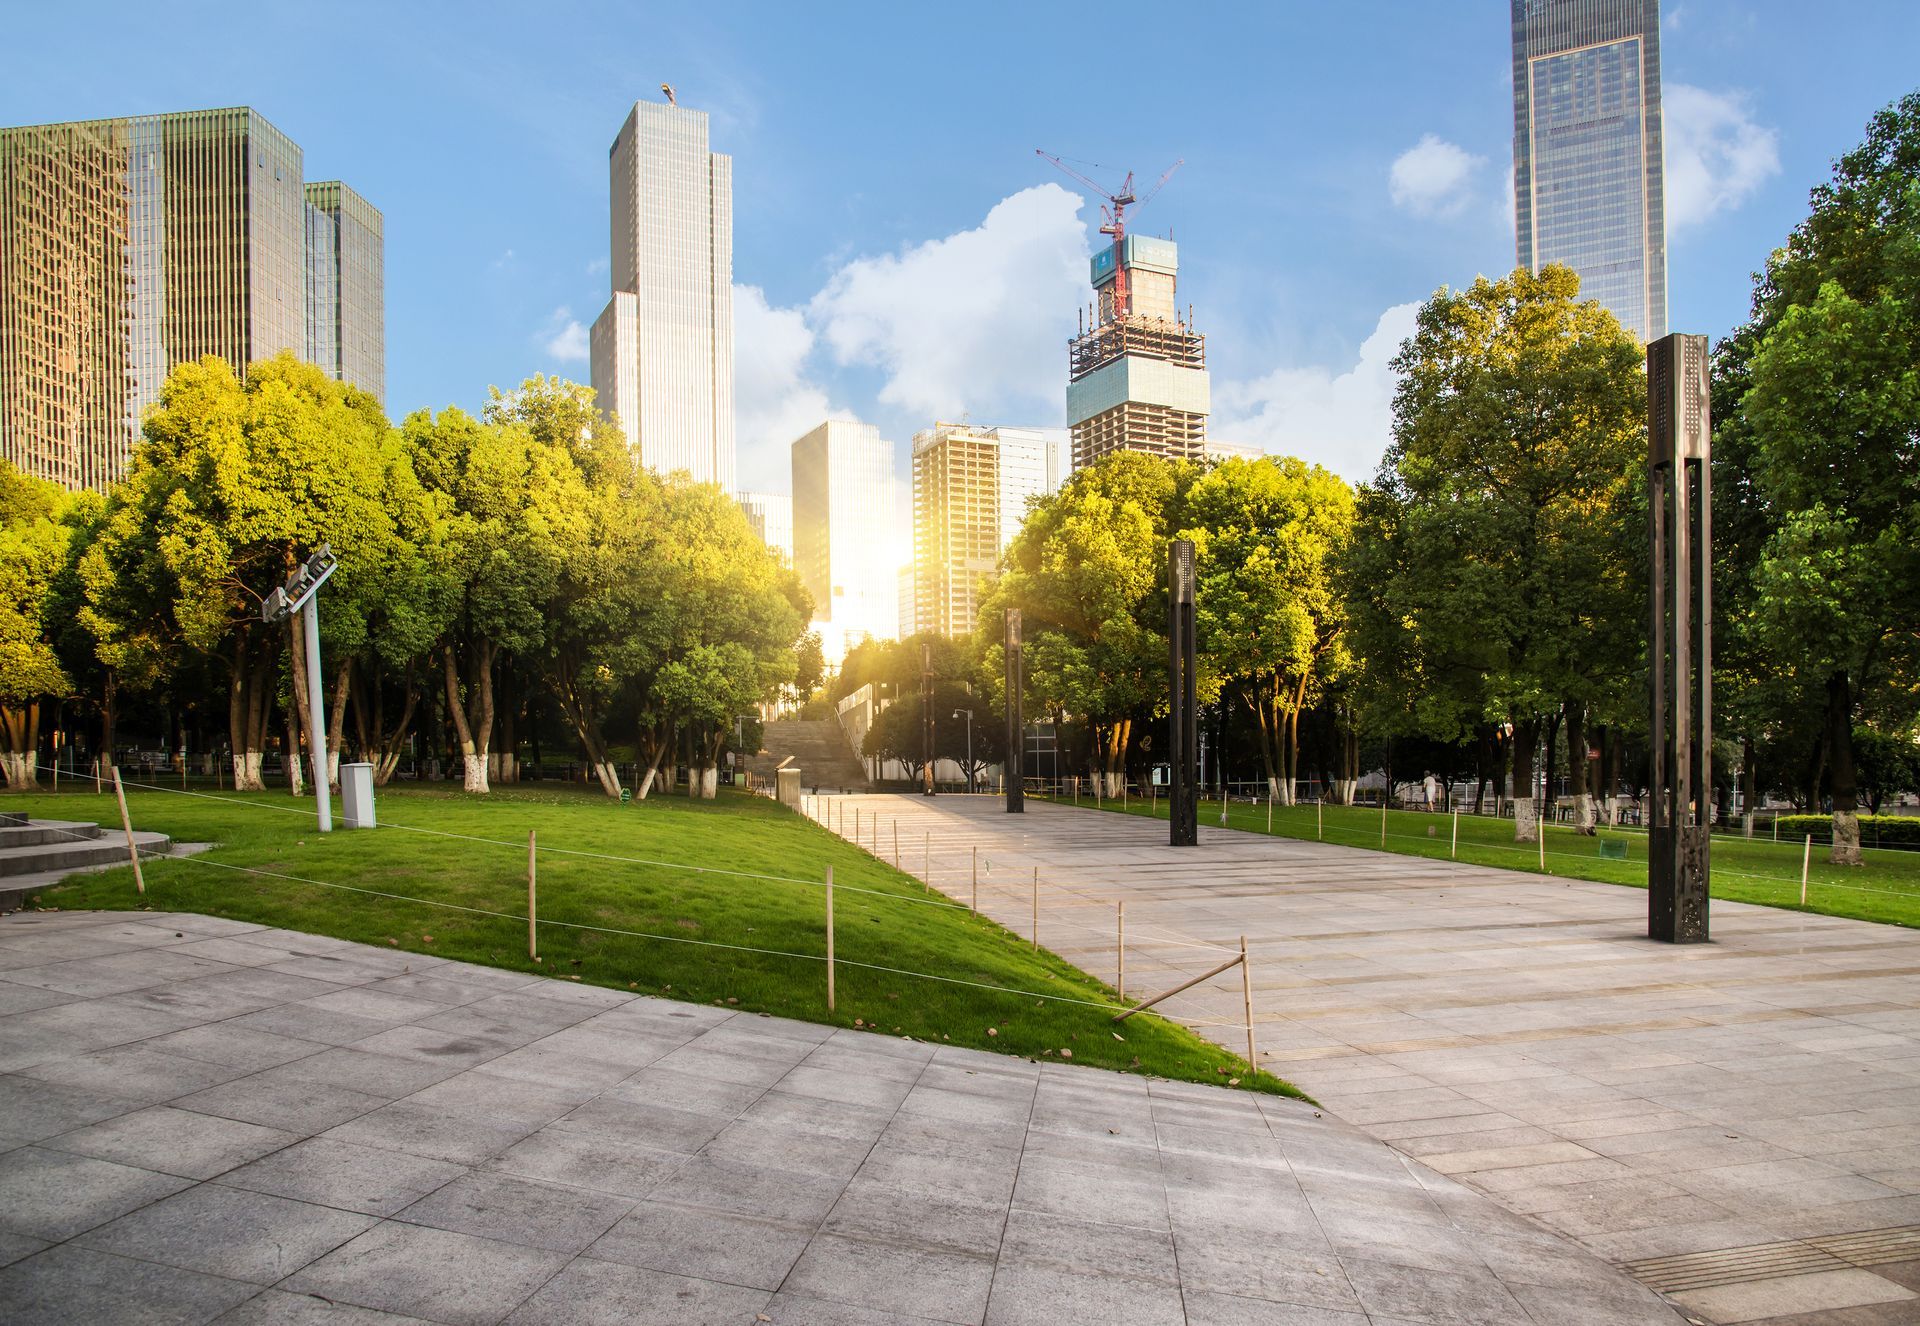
[1137, 378]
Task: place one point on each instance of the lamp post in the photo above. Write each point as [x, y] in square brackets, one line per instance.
[969, 714]
[298, 595]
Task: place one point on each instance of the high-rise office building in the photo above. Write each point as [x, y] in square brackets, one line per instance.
[971, 487]
[843, 533]
[1137, 379]
[1588, 180]
[771, 516]
[662, 349]
[1218, 449]
[129, 245]
[346, 286]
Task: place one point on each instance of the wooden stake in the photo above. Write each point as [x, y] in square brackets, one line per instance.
[1540, 831]
[1269, 810]
[896, 844]
[976, 877]
[1806, 862]
[926, 856]
[133, 852]
[533, 913]
[1124, 1014]
[1246, 992]
[1036, 906]
[1383, 819]
[1453, 853]
[1120, 948]
[1319, 818]
[829, 939]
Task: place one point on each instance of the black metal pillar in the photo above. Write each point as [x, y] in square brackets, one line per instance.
[1183, 791]
[926, 711]
[1016, 754]
[1680, 640]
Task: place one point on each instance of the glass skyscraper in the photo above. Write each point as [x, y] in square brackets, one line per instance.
[129, 245]
[1587, 157]
[843, 533]
[662, 349]
[970, 492]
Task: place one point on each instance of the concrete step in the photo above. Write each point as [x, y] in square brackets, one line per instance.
[77, 855]
[16, 889]
[39, 833]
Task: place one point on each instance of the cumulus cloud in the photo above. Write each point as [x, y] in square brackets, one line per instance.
[1433, 178]
[565, 337]
[774, 401]
[1337, 418]
[1717, 156]
[973, 321]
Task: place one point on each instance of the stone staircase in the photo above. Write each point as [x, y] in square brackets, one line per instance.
[818, 748]
[37, 853]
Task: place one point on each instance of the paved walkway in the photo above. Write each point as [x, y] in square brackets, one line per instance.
[1736, 1122]
[202, 1120]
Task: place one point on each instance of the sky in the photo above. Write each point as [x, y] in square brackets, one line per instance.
[901, 255]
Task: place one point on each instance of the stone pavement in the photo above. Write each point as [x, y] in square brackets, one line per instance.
[203, 1120]
[1738, 1122]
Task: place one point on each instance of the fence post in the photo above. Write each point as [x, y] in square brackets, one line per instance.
[829, 939]
[926, 857]
[1383, 819]
[896, 844]
[976, 877]
[1120, 948]
[533, 943]
[133, 852]
[1246, 991]
[1269, 809]
[1453, 852]
[1806, 861]
[1319, 818]
[1036, 906]
[1541, 824]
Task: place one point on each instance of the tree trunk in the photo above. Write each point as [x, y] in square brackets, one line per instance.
[473, 720]
[1526, 812]
[337, 722]
[19, 742]
[296, 783]
[1841, 777]
[249, 704]
[1578, 768]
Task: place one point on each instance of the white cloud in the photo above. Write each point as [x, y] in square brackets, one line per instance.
[774, 402]
[1717, 156]
[1433, 177]
[565, 337]
[1341, 420]
[976, 321]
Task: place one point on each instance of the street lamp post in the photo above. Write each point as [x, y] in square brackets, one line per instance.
[969, 714]
[298, 595]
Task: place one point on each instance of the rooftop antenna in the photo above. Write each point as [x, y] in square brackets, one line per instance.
[668, 89]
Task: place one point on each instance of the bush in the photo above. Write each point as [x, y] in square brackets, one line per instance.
[1875, 830]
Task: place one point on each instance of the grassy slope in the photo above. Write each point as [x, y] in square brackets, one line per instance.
[272, 832]
[1886, 888]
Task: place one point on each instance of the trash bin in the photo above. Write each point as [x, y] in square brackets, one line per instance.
[356, 796]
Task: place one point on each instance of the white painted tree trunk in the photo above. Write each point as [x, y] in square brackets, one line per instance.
[1583, 816]
[1846, 839]
[709, 783]
[246, 772]
[19, 768]
[1526, 820]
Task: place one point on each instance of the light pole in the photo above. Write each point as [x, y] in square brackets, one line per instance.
[969, 714]
[297, 595]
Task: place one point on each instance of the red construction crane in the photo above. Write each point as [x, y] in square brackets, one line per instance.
[1115, 212]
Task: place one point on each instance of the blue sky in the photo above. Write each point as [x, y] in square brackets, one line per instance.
[902, 253]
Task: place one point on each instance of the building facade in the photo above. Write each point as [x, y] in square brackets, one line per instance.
[971, 487]
[843, 533]
[129, 245]
[771, 516]
[662, 349]
[1137, 379]
[346, 286]
[1588, 177]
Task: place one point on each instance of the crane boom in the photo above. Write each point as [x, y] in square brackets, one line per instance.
[1116, 214]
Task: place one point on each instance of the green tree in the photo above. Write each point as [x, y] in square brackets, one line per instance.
[1088, 572]
[1510, 499]
[1267, 534]
[233, 487]
[1824, 384]
[34, 541]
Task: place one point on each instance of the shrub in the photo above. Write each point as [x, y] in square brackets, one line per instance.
[1875, 830]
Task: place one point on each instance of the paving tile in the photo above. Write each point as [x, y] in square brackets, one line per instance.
[431, 1273]
[360, 1070]
[790, 1309]
[229, 1232]
[1029, 1294]
[583, 1160]
[1824, 1292]
[174, 1141]
[135, 1072]
[292, 1106]
[599, 1293]
[274, 1307]
[70, 1284]
[1423, 1294]
[1207, 1309]
[707, 1245]
[464, 1137]
[235, 1047]
[755, 1190]
[53, 1195]
[874, 1210]
[945, 1286]
[32, 1109]
[353, 1178]
[517, 1210]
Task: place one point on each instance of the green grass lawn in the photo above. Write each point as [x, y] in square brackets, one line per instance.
[1886, 888]
[691, 915]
